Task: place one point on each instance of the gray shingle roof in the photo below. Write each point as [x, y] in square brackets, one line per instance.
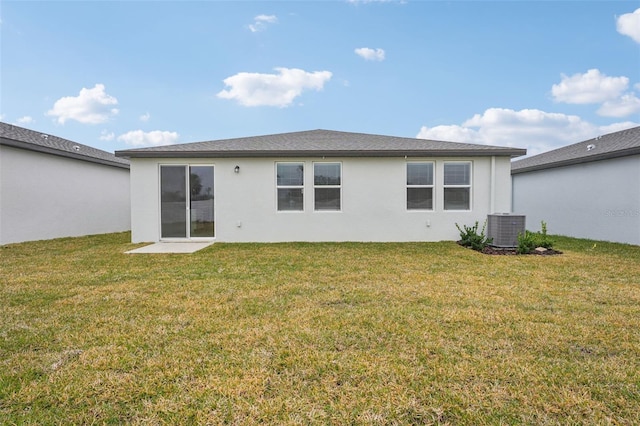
[612, 145]
[19, 137]
[326, 143]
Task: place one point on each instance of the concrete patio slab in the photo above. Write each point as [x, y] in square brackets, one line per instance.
[187, 247]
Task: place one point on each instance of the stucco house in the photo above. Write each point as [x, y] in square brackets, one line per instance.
[590, 189]
[52, 187]
[317, 185]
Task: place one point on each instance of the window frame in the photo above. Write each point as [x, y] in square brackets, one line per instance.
[432, 186]
[300, 187]
[322, 186]
[446, 186]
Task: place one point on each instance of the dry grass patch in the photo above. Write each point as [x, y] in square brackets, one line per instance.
[420, 333]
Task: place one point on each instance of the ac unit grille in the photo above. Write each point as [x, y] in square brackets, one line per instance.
[505, 228]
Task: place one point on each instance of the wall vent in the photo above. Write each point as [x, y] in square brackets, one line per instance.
[504, 229]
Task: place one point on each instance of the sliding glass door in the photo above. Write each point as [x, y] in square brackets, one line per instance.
[201, 223]
[173, 201]
[186, 202]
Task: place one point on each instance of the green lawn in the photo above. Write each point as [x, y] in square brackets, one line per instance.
[416, 333]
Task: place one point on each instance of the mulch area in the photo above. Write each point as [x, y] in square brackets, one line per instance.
[511, 251]
[501, 251]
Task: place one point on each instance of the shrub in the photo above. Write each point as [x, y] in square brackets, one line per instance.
[469, 237]
[543, 239]
[529, 241]
[526, 242]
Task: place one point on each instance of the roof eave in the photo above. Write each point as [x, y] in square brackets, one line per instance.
[574, 161]
[510, 152]
[52, 151]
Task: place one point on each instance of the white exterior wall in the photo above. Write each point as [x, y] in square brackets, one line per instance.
[373, 201]
[44, 196]
[598, 200]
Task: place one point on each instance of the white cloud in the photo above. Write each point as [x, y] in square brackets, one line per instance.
[254, 89]
[107, 136]
[623, 106]
[2, 117]
[616, 127]
[91, 106]
[261, 22]
[537, 131]
[370, 54]
[629, 25]
[138, 138]
[588, 88]
[145, 117]
[25, 120]
[453, 133]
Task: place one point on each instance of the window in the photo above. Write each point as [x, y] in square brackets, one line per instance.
[290, 186]
[457, 186]
[419, 186]
[327, 186]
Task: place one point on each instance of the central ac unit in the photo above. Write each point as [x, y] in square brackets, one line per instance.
[504, 229]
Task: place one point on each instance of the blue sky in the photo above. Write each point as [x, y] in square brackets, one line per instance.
[119, 75]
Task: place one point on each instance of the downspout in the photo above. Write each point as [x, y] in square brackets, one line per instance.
[492, 186]
[512, 191]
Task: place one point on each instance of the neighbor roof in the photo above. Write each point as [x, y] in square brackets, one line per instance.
[19, 137]
[612, 145]
[325, 143]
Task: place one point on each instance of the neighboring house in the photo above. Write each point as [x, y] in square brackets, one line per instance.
[316, 185]
[588, 190]
[52, 187]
